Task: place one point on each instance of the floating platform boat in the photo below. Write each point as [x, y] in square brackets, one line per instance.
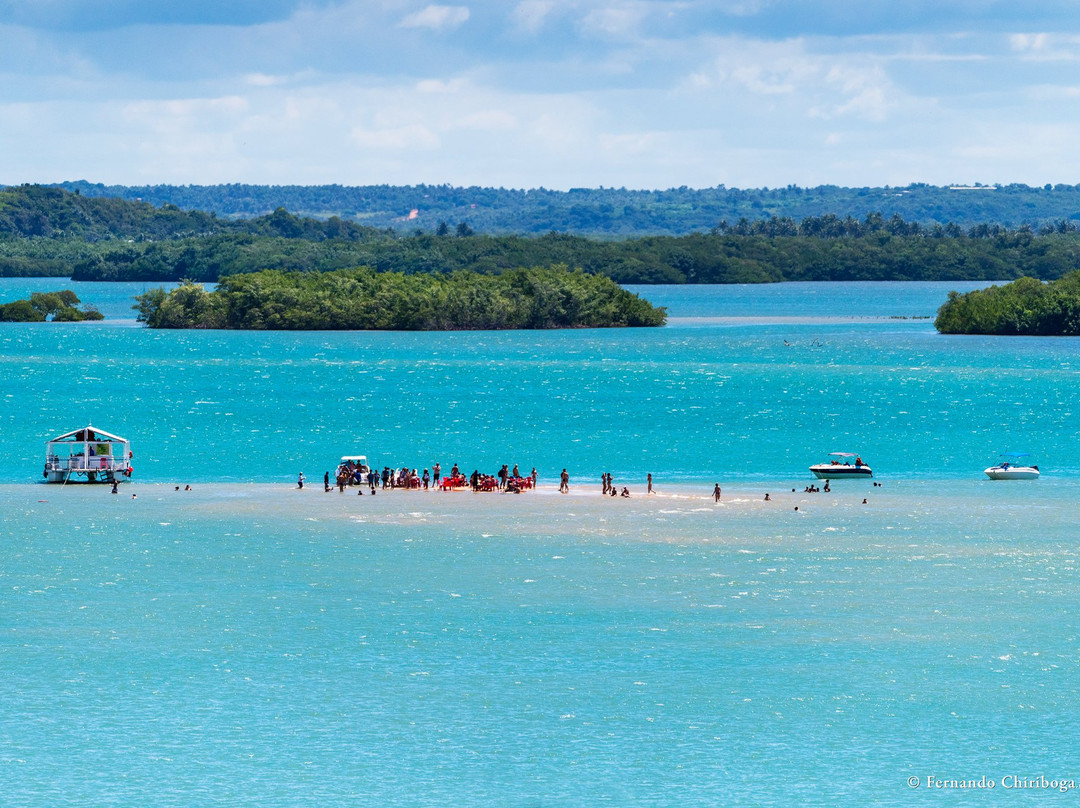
[87, 455]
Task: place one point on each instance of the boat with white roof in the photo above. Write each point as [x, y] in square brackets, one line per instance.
[843, 464]
[87, 455]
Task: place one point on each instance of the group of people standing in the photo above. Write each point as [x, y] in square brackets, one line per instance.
[410, 478]
[608, 486]
[505, 479]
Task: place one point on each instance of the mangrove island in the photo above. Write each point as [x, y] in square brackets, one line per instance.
[58, 307]
[362, 299]
[1025, 307]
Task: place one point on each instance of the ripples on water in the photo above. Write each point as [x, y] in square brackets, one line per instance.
[247, 643]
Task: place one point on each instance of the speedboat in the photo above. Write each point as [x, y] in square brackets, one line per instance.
[354, 468]
[842, 464]
[1010, 470]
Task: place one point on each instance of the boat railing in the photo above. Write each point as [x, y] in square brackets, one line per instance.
[81, 463]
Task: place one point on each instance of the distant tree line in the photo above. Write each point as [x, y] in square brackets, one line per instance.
[699, 258]
[51, 232]
[1026, 307]
[362, 299]
[611, 212]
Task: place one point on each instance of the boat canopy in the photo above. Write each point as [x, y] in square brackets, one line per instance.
[843, 454]
[88, 433]
[356, 460]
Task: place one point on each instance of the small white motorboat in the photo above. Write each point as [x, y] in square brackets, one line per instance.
[843, 464]
[354, 468]
[1010, 470]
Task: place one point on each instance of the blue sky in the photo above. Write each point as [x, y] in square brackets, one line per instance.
[531, 93]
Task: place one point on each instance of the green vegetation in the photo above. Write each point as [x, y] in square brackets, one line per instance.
[1024, 307]
[42, 306]
[611, 212]
[50, 232]
[727, 255]
[362, 299]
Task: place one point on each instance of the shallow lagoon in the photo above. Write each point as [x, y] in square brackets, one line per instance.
[249, 643]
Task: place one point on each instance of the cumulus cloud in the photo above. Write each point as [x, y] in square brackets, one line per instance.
[560, 93]
[824, 85]
[437, 17]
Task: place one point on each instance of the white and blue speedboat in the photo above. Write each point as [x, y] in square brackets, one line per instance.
[1010, 469]
[842, 465]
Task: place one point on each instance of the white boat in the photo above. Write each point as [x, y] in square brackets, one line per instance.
[843, 464]
[353, 467]
[1009, 470]
[87, 455]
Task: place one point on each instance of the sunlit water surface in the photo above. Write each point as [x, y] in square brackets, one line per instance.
[249, 643]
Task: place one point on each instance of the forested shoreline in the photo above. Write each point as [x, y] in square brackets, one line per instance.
[716, 257]
[54, 233]
[362, 299]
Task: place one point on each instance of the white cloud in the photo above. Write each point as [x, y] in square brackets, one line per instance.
[1028, 42]
[1046, 47]
[641, 93]
[822, 85]
[490, 120]
[619, 20]
[402, 138]
[441, 86]
[437, 17]
[262, 80]
[530, 15]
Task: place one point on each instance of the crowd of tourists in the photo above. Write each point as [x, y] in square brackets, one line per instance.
[504, 480]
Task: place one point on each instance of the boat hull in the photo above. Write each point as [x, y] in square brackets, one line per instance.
[1012, 473]
[84, 476]
[829, 471]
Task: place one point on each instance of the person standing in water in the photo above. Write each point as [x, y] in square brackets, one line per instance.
[300, 480]
[649, 479]
[564, 482]
[716, 493]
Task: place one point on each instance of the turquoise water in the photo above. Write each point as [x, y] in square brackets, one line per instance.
[248, 643]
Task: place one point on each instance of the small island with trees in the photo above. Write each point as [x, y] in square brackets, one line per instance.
[1025, 307]
[59, 307]
[363, 299]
